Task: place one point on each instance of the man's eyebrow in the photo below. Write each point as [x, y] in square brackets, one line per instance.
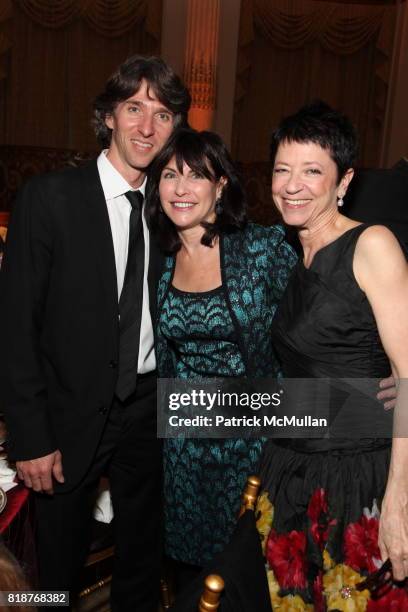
[161, 109]
[164, 109]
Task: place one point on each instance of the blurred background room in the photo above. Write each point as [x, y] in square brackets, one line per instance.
[246, 62]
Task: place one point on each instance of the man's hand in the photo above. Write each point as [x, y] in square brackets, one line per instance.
[388, 393]
[38, 473]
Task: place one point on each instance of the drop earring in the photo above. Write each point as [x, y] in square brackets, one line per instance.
[340, 201]
[218, 206]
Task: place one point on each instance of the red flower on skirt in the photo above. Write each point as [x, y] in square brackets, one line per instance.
[318, 597]
[286, 555]
[317, 511]
[361, 550]
[395, 600]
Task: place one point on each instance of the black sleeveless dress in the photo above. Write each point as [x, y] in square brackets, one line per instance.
[318, 514]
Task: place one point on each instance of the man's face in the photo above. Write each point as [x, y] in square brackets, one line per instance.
[140, 127]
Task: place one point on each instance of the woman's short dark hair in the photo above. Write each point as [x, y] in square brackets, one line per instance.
[317, 122]
[123, 83]
[206, 154]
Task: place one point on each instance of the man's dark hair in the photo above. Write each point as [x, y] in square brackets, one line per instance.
[317, 122]
[163, 81]
[206, 154]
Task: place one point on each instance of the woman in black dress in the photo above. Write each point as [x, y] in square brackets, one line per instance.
[334, 510]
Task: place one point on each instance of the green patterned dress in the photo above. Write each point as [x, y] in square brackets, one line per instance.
[203, 478]
[222, 333]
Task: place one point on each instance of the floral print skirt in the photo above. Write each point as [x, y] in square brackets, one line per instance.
[318, 517]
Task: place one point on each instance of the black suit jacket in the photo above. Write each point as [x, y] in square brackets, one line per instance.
[59, 316]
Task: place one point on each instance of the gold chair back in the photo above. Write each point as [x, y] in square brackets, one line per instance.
[210, 599]
[250, 494]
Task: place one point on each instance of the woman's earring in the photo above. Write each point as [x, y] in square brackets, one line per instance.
[218, 206]
[340, 201]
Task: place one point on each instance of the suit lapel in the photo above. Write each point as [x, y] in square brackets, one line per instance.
[101, 237]
[100, 231]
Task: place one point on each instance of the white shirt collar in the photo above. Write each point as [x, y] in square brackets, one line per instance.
[113, 183]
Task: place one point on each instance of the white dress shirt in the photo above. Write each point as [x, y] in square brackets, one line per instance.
[114, 188]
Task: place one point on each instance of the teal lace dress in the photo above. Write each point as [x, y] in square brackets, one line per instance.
[203, 479]
[226, 332]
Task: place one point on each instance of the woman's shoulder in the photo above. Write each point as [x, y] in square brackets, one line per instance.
[254, 234]
[377, 241]
[378, 253]
[262, 232]
[272, 239]
[264, 246]
[376, 236]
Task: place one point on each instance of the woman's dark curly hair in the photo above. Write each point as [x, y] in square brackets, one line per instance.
[123, 83]
[317, 122]
[206, 154]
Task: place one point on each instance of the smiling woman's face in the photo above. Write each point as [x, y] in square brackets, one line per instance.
[304, 182]
[187, 198]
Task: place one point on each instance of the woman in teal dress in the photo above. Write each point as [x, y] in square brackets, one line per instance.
[222, 281]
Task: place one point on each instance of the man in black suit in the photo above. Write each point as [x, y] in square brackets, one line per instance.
[78, 293]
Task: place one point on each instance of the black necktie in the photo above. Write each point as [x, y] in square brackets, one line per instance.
[131, 301]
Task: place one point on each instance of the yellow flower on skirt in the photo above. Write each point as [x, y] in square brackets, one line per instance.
[293, 603]
[289, 603]
[339, 589]
[273, 584]
[328, 562]
[264, 523]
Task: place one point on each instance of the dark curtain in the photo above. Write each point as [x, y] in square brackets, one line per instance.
[293, 52]
[56, 63]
